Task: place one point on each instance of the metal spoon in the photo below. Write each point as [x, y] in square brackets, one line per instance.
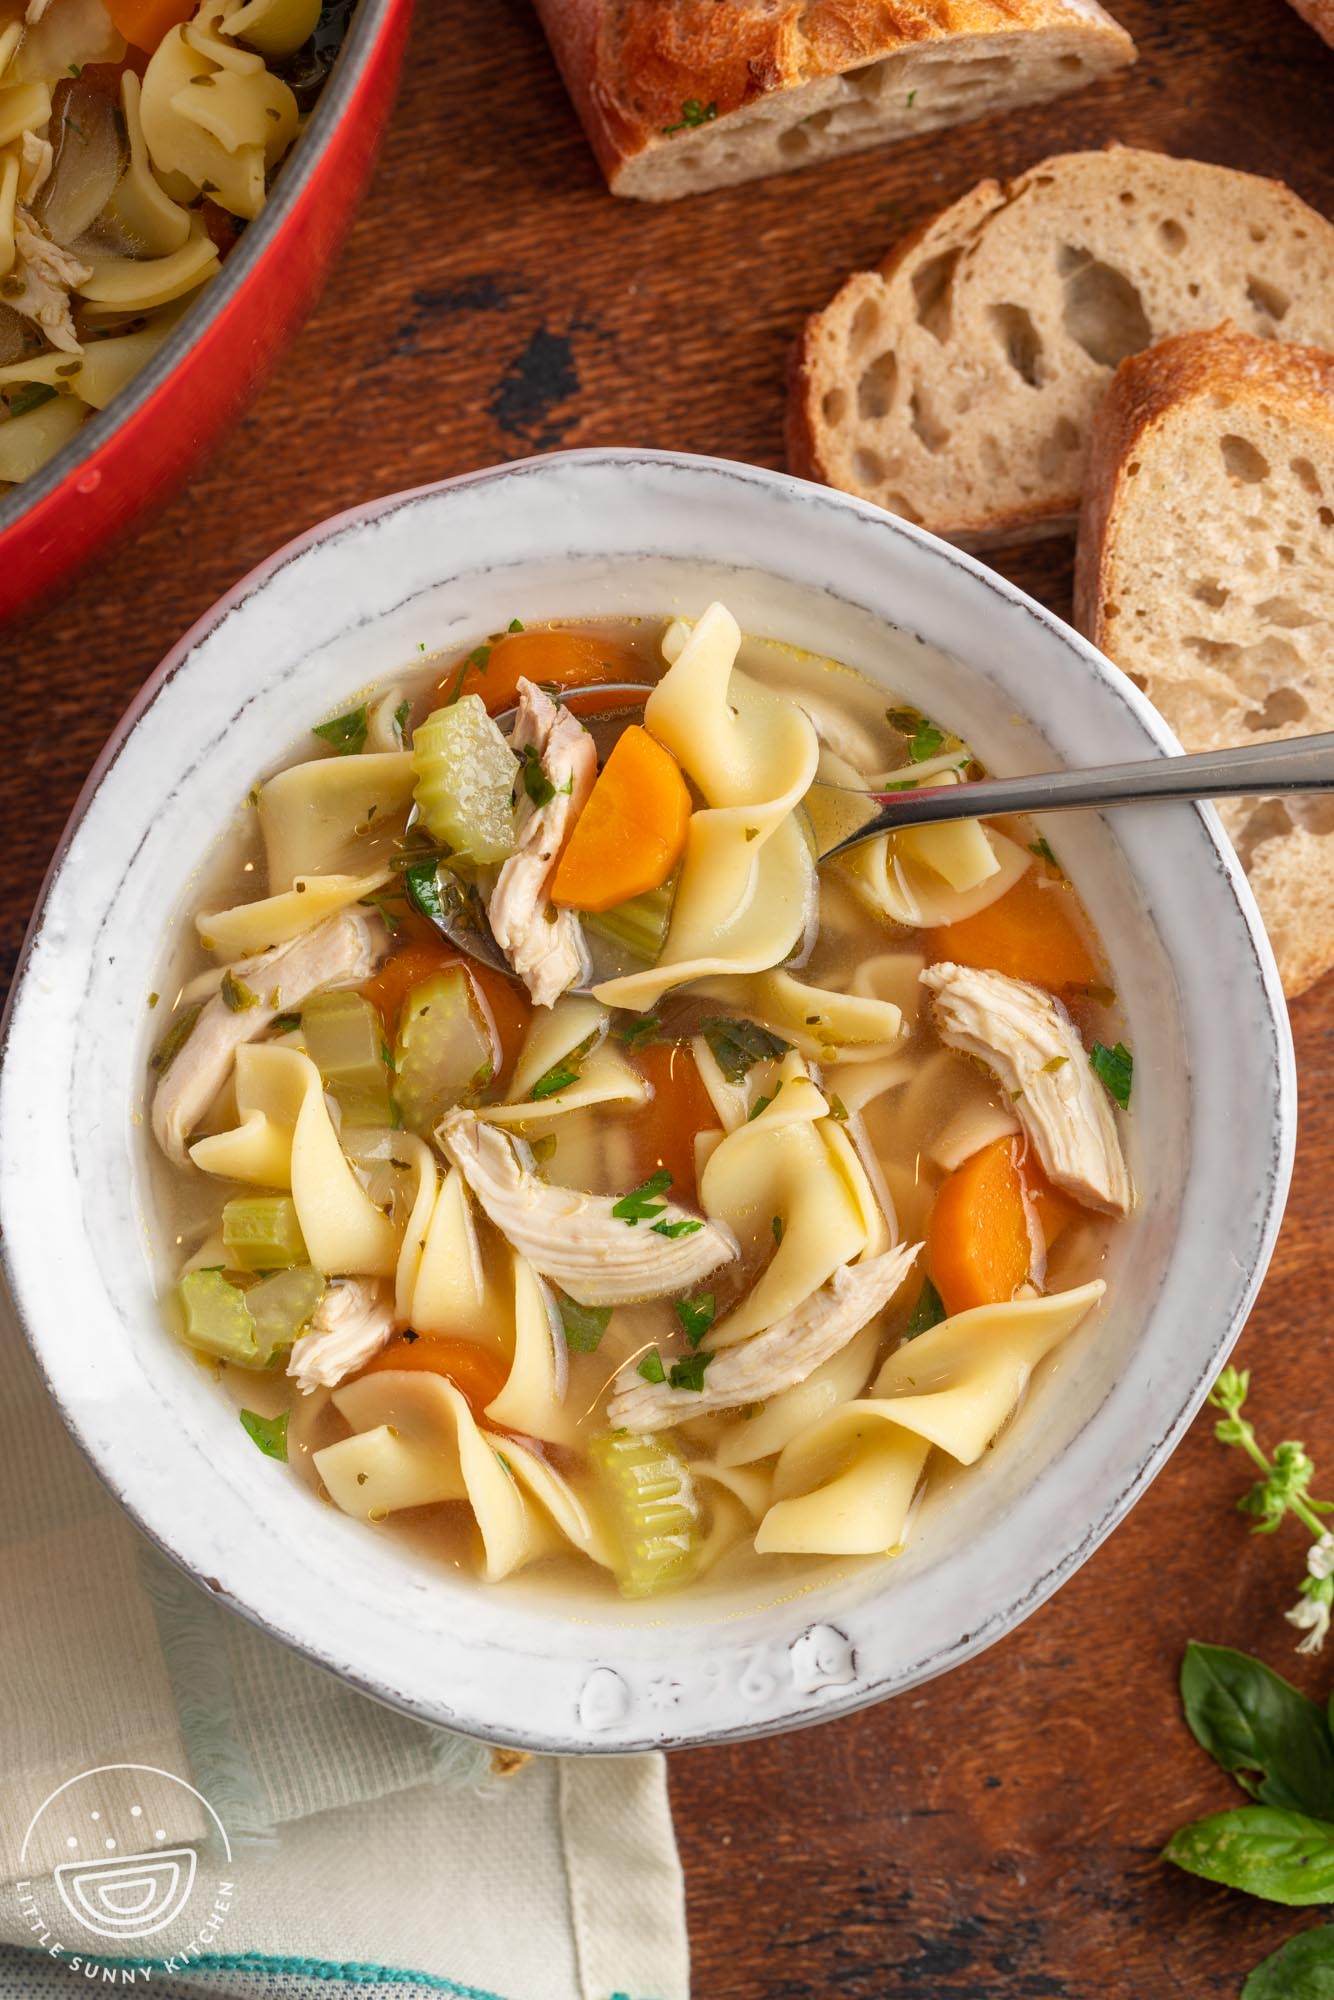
[844, 818]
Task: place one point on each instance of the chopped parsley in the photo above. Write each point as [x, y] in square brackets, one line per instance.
[1042, 848]
[401, 714]
[642, 1203]
[542, 1149]
[283, 1024]
[269, 1433]
[637, 1034]
[584, 1325]
[651, 1367]
[236, 995]
[1115, 1068]
[777, 1226]
[693, 113]
[737, 1045]
[928, 1312]
[1057, 1062]
[685, 1227]
[421, 880]
[688, 1372]
[175, 1039]
[563, 1073]
[478, 661]
[347, 733]
[697, 1316]
[515, 625]
[763, 1103]
[911, 96]
[924, 738]
[838, 1110]
[535, 780]
[28, 396]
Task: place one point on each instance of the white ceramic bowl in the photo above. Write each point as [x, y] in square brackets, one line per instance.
[602, 533]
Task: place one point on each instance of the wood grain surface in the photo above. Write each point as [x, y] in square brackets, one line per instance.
[995, 1833]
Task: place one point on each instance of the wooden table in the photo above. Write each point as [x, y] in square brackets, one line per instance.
[995, 1833]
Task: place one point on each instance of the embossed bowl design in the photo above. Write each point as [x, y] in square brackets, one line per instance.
[605, 533]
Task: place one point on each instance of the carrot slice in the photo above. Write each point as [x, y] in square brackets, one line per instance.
[556, 658]
[144, 22]
[419, 952]
[978, 1246]
[632, 832]
[477, 1371]
[1031, 932]
[664, 1129]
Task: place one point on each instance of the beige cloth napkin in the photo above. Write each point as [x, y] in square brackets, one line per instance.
[368, 1849]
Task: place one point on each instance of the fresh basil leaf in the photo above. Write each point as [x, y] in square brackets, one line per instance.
[1282, 1857]
[642, 1204]
[1301, 1969]
[928, 1312]
[688, 1372]
[269, 1433]
[697, 1316]
[1115, 1068]
[651, 1367]
[584, 1325]
[738, 1045]
[1257, 1726]
[347, 733]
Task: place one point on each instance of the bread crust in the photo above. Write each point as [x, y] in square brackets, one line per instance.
[1145, 390]
[1230, 370]
[630, 66]
[1318, 14]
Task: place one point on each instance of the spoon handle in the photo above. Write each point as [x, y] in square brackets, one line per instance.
[1297, 764]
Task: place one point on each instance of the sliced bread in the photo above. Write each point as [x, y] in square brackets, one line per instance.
[1205, 568]
[957, 384]
[681, 95]
[1320, 15]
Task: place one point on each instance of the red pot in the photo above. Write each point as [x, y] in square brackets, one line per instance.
[132, 455]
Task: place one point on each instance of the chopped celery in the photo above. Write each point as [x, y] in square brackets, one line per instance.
[653, 1510]
[465, 779]
[281, 1307]
[260, 1232]
[216, 1317]
[639, 926]
[444, 1051]
[345, 1041]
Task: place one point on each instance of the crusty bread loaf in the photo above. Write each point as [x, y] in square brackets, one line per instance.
[956, 385]
[681, 95]
[1320, 14]
[1206, 569]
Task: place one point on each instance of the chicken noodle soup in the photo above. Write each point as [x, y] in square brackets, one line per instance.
[751, 1189]
[137, 138]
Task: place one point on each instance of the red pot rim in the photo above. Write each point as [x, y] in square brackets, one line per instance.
[369, 24]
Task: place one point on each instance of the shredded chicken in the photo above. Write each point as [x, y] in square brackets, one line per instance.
[351, 1323]
[777, 1359]
[543, 944]
[1031, 1045]
[598, 1257]
[35, 11]
[35, 161]
[341, 951]
[47, 275]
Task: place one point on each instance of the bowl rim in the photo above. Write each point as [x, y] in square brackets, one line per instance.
[210, 301]
[1001, 1620]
